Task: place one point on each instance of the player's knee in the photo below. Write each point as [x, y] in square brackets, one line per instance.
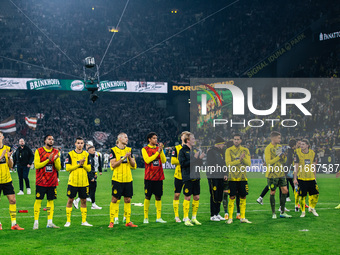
[157, 198]
[272, 192]
[284, 191]
[12, 200]
[187, 198]
[176, 197]
[233, 197]
[127, 199]
[197, 197]
[147, 198]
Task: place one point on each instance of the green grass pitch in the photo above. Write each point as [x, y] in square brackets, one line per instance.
[280, 236]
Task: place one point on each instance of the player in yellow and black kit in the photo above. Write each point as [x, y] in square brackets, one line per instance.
[305, 177]
[275, 159]
[121, 161]
[78, 164]
[178, 175]
[237, 159]
[6, 184]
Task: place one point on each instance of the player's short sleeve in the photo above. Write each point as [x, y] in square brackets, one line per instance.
[68, 159]
[174, 153]
[112, 155]
[296, 158]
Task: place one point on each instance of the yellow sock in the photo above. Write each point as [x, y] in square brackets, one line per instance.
[146, 208]
[313, 200]
[117, 209]
[83, 214]
[186, 206]
[296, 196]
[195, 204]
[37, 206]
[159, 208]
[231, 207]
[50, 209]
[302, 201]
[242, 208]
[68, 214]
[176, 205]
[113, 210]
[13, 213]
[127, 211]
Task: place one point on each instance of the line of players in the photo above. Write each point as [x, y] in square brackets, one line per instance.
[185, 157]
[300, 161]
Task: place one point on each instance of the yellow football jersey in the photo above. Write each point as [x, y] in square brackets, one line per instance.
[174, 161]
[78, 175]
[237, 169]
[274, 163]
[5, 175]
[305, 170]
[121, 173]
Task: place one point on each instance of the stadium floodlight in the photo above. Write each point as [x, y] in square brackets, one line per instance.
[91, 81]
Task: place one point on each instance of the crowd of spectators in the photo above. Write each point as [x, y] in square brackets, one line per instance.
[69, 115]
[223, 45]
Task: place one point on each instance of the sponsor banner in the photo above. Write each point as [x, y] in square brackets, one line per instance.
[79, 85]
[167, 164]
[13, 83]
[328, 36]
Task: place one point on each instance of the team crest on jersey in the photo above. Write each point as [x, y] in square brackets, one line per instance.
[215, 188]
[38, 194]
[115, 191]
[307, 161]
[186, 190]
[146, 191]
[69, 192]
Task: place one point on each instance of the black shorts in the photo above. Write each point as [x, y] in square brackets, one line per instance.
[178, 185]
[238, 188]
[310, 187]
[120, 189]
[153, 187]
[40, 192]
[191, 187]
[72, 191]
[7, 188]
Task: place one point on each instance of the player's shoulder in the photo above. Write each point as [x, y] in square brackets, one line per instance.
[6, 147]
[269, 146]
[245, 149]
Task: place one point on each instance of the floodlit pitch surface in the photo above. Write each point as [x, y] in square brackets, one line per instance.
[265, 235]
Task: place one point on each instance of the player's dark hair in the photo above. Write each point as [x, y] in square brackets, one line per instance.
[292, 143]
[90, 147]
[237, 134]
[305, 141]
[45, 137]
[1, 132]
[79, 138]
[274, 134]
[150, 135]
